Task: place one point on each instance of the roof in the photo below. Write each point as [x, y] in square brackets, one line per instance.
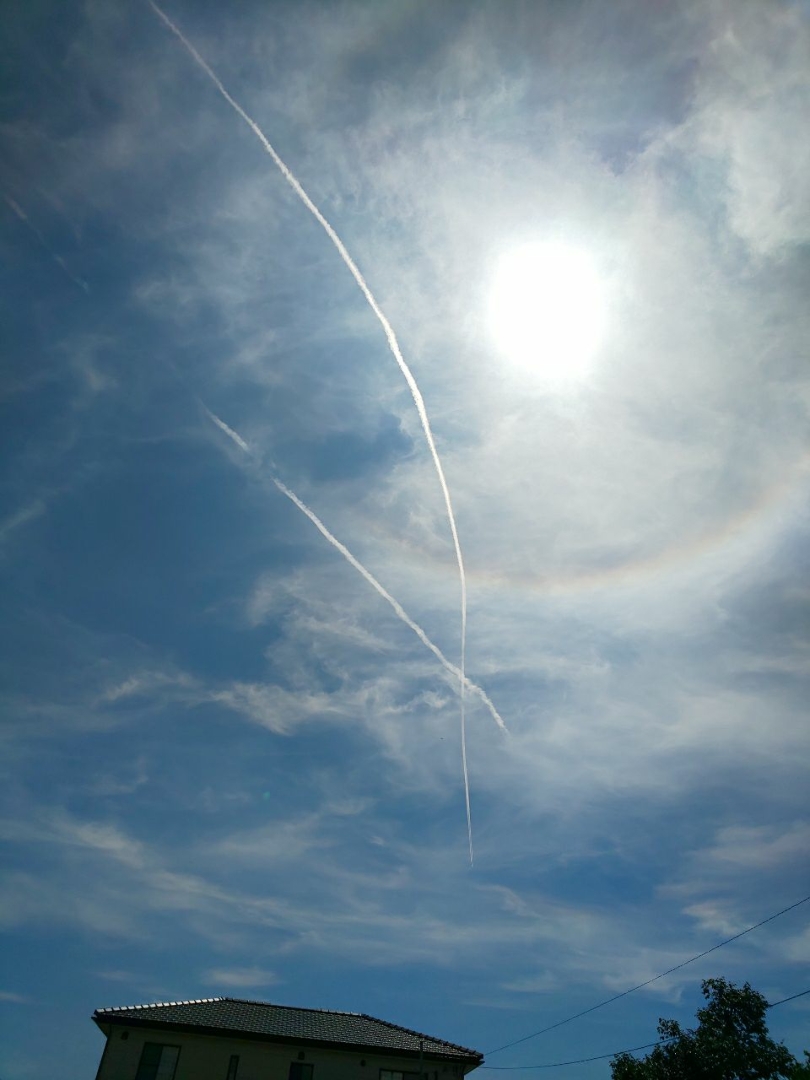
[285, 1023]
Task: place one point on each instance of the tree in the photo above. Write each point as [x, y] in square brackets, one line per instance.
[731, 1042]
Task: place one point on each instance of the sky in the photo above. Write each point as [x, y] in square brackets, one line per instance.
[232, 637]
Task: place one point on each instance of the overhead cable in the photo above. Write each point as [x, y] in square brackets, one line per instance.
[578, 1061]
[616, 1053]
[648, 982]
[791, 998]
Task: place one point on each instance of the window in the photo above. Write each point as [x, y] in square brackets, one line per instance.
[392, 1074]
[300, 1071]
[157, 1062]
[233, 1065]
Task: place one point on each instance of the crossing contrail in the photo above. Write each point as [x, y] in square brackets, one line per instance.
[393, 345]
[375, 584]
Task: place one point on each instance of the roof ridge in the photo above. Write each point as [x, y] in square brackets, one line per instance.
[419, 1034]
[239, 1000]
[160, 1004]
[294, 1008]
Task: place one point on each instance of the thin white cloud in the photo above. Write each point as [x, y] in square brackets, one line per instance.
[532, 984]
[752, 95]
[761, 847]
[58, 259]
[247, 978]
[145, 683]
[718, 917]
[278, 709]
[21, 517]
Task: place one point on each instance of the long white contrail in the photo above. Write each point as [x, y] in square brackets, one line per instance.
[474, 688]
[393, 345]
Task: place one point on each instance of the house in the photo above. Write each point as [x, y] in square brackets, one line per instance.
[226, 1038]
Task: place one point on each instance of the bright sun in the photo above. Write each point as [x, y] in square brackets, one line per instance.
[547, 310]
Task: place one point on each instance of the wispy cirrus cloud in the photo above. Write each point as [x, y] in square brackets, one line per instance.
[17, 520]
[14, 998]
[751, 92]
[250, 978]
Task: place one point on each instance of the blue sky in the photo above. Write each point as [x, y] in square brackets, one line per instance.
[228, 766]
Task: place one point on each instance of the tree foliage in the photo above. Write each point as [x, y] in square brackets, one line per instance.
[730, 1042]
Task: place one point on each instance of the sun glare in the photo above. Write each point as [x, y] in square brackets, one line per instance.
[546, 310]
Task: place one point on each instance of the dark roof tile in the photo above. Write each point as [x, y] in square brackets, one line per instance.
[262, 1019]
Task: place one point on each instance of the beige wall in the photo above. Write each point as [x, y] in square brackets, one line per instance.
[205, 1057]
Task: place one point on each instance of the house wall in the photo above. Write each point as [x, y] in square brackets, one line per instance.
[206, 1057]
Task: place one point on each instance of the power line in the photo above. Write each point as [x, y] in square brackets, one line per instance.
[791, 998]
[655, 978]
[616, 1053]
[578, 1061]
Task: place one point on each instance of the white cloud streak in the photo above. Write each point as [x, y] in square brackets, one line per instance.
[240, 978]
[21, 215]
[393, 345]
[14, 998]
[373, 582]
[21, 517]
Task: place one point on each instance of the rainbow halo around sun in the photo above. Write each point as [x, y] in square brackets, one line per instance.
[546, 310]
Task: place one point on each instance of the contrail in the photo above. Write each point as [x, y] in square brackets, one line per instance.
[393, 345]
[373, 582]
[60, 262]
[235, 436]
